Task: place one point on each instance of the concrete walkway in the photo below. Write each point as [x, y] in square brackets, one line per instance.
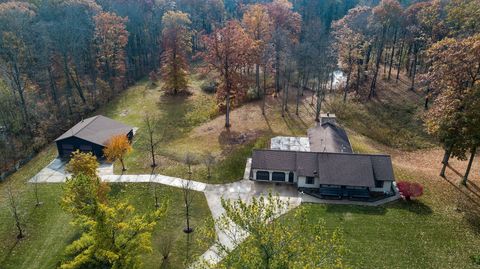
[244, 189]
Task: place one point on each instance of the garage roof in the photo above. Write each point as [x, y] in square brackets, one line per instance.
[98, 130]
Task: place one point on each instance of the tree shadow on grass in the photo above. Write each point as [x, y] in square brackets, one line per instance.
[356, 209]
[414, 206]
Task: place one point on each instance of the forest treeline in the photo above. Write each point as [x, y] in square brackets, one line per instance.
[60, 60]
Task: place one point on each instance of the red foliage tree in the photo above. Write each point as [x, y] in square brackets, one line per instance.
[229, 51]
[410, 190]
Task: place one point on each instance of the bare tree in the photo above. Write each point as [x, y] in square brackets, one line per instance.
[12, 202]
[209, 160]
[153, 141]
[154, 187]
[189, 160]
[35, 189]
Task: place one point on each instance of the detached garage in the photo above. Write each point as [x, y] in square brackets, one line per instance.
[91, 135]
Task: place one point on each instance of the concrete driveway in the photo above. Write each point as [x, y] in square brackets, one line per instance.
[55, 172]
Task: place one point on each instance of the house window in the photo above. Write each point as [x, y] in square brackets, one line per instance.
[263, 175]
[310, 180]
[378, 184]
[278, 176]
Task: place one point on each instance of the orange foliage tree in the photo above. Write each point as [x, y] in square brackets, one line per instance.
[117, 148]
[258, 25]
[229, 51]
[176, 36]
[111, 38]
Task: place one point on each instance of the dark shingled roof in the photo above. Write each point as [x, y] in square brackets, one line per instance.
[345, 169]
[331, 168]
[329, 137]
[274, 160]
[98, 130]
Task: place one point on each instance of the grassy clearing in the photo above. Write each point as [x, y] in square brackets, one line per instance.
[47, 227]
[392, 124]
[49, 232]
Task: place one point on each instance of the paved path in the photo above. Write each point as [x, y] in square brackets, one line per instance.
[244, 189]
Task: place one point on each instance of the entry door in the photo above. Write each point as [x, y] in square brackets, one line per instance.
[290, 177]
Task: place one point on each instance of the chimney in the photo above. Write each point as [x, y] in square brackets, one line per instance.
[324, 118]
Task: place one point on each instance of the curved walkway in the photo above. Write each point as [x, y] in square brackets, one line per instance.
[244, 189]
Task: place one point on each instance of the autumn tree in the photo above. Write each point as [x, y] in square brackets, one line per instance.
[177, 43]
[453, 75]
[274, 243]
[113, 235]
[286, 27]
[111, 38]
[15, 17]
[228, 51]
[384, 18]
[117, 148]
[258, 25]
[351, 44]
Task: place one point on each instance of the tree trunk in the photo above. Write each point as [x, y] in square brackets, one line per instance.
[227, 114]
[446, 157]
[123, 165]
[373, 86]
[469, 166]
[393, 53]
[400, 58]
[257, 79]
[264, 89]
[414, 69]
[345, 91]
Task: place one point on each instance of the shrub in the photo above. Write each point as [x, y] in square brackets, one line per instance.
[409, 190]
[209, 87]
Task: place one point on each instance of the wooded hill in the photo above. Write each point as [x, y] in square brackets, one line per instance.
[60, 60]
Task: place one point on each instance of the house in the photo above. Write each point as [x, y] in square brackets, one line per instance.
[329, 168]
[91, 135]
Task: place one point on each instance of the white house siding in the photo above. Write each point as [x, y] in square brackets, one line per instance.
[302, 183]
[387, 187]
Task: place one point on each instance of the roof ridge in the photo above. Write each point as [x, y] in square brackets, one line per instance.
[93, 119]
[326, 152]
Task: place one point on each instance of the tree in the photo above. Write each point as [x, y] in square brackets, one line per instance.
[117, 148]
[209, 160]
[384, 17]
[111, 38]
[13, 204]
[228, 51]
[176, 37]
[274, 243]
[151, 129]
[410, 190]
[82, 163]
[188, 193]
[258, 25]
[286, 27]
[113, 236]
[452, 75]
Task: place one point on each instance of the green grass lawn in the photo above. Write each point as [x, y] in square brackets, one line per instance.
[430, 232]
[48, 231]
